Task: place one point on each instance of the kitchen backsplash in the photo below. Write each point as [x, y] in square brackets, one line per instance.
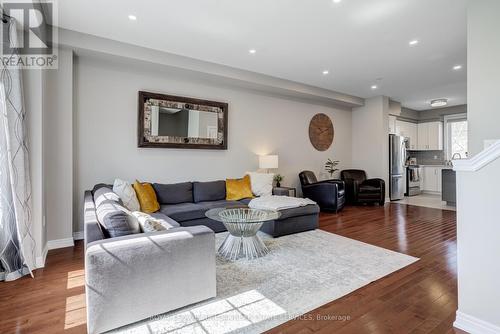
[428, 157]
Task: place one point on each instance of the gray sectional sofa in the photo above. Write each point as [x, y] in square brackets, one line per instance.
[131, 276]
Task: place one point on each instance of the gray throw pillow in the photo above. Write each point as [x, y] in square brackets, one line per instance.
[174, 193]
[209, 191]
[116, 219]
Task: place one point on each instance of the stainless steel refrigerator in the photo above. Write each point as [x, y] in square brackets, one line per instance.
[397, 160]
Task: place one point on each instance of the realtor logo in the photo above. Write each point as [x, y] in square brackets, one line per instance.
[28, 34]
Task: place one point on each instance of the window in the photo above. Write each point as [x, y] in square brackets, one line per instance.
[456, 137]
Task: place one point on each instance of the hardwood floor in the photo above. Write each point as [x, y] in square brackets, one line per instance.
[421, 298]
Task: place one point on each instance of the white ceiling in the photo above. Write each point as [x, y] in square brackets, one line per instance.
[358, 41]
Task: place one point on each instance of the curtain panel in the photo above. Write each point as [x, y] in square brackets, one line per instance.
[17, 245]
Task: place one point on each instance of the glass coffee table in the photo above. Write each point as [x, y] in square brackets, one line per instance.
[242, 225]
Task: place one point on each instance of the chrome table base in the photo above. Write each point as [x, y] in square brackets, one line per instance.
[242, 242]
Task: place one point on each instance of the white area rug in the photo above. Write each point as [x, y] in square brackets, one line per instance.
[302, 272]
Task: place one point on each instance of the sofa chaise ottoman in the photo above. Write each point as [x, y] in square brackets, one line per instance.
[132, 277]
[187, 203]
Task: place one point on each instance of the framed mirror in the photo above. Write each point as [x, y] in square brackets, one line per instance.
[181, 122]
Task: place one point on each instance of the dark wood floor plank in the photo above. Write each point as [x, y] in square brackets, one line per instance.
[420, 298]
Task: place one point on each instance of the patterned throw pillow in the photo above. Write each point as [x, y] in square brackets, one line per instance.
[151, 224]
[237, 189]
[147, 197]
[127, 194]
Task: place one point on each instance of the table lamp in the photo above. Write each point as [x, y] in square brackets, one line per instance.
[268, 162]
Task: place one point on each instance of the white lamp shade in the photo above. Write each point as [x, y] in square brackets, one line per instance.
[268, 161]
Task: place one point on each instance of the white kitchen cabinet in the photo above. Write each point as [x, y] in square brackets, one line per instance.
[408, 130]
[431, 178]
[435, 135]
[392, 124]
[430, 136]
[423, 135]
[412, 135]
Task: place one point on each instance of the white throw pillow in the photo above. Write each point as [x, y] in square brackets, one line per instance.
[262, 184]
[149, 223]
[127, 194]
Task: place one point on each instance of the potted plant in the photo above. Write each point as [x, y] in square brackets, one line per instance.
[278, 178]
[330, 166]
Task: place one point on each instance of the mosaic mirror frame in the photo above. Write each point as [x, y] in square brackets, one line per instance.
[148, 101]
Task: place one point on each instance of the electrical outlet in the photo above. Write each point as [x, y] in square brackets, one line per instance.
[435, 157]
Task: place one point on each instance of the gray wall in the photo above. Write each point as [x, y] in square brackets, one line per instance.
[106, 138]
[438, 114]
[431, 114]
[483, 54]
[370, 131]
[409, 114]
[58, 148]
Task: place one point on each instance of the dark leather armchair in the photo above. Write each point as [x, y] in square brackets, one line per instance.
[329, 194]
[361, 190]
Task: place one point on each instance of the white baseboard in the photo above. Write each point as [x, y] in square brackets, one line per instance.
[474, 325]
[52, 244]
[40, 260]
[60, 243]
[78, 235]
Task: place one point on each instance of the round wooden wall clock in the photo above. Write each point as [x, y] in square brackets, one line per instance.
[321, 132]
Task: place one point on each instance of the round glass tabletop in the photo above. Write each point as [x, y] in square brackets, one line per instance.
[242, 215]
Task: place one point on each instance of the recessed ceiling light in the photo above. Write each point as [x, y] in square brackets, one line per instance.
[325, 72]
[132, 17]
[374, 87]
[337, 1]
[439, 103]
[457, 67]
[414, 42]
[252, 51]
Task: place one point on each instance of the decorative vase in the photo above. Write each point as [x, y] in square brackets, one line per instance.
[278, 184]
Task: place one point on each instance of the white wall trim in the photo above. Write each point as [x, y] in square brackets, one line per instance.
[60, 243]
[40, 260]
[78, 235]
[486, 156]
[474, 325]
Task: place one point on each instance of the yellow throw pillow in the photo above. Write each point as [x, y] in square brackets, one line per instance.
[147, 197]
[237, 189]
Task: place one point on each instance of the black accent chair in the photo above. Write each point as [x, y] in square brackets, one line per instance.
[329, 194]
[360, 190]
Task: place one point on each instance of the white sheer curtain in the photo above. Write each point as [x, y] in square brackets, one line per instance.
[17, 245]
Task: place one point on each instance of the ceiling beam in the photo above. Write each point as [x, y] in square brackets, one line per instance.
[84, 44]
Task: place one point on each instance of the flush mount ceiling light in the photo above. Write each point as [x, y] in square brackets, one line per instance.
[439, 103]
[457, 67]
[252, 51]
[413, 42]
[337, 1]
[325, 72]
[374, 87]
[132, 17]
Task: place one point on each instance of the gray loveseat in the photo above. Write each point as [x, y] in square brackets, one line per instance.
[131, 276]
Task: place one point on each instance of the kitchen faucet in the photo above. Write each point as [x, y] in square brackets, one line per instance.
[454, 154]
